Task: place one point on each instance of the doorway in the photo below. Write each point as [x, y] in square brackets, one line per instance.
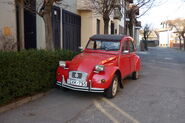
[30, 28]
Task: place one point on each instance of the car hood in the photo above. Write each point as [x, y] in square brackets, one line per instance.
[86, 62]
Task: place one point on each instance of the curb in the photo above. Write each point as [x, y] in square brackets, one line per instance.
[23, 101]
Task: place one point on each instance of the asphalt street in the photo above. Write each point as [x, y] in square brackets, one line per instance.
[157, 97]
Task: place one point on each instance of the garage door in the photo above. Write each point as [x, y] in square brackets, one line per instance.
[71, 30]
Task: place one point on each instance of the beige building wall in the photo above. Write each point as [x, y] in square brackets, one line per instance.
[7, 20]
[86, 26]
[70, 5]
[40, 29]
[89, 26]
[101, 26]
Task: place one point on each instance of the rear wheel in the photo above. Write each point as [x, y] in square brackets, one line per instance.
[112, 90]
[135, 75]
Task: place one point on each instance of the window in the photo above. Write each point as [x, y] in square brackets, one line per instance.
[131, 46]
[104, 45]
[98, 26]
[125, 46]
[112, 28]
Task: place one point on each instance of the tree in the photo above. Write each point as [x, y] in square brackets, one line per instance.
[104, 8]
[132, 13]
[44, 10]
[179, 25]
[146, 33]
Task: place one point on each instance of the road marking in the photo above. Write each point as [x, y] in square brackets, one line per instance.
[120, 110]
[168, 58]
[100, 108]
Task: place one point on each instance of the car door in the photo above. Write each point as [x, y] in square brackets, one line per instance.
[132, 55]
[124, 60]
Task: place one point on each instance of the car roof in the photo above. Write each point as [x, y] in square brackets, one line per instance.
[107, 37]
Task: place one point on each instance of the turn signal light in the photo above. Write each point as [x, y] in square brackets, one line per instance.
[103, 81]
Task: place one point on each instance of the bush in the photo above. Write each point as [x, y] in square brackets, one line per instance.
[28, 72]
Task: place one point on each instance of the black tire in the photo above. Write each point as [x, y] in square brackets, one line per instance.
[135, 75]
[61, 88]
[57, 86]
[112, 90]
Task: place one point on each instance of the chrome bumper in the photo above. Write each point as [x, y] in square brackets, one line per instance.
[72, 87]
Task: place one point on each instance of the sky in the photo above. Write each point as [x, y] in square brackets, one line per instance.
[167, 10]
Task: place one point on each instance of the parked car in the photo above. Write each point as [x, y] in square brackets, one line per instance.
[102, 66]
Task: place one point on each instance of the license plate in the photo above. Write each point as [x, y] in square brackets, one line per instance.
[77, 82]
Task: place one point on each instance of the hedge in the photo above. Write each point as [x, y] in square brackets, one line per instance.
[28, 72]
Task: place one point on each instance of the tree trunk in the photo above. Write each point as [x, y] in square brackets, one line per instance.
[180, 42]
[130, 26]
[106, 25]
[131, 29]
[184, 43]
[48, 31]
[182, 34]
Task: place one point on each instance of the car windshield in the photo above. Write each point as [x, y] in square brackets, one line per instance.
[103, 45]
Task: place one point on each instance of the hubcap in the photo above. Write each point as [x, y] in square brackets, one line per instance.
[114, 86]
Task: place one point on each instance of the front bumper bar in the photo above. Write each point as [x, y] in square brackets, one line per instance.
[72, 87]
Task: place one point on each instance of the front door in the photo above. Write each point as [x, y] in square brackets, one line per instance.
[132, 56]
[124, 61]
[30, 28]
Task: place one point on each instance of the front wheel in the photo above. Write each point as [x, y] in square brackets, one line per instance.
[112, 90]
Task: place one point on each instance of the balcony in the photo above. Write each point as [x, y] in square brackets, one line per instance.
[117, 13]
[83, 5]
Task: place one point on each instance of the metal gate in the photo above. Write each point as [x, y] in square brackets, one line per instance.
[30, 28]
[71, 30]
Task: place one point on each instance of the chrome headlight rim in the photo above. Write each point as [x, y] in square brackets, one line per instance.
[99, 68]
[62, 64]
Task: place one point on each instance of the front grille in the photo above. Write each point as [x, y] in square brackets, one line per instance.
[77, 75]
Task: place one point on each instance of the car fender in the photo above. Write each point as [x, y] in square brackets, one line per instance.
[108, 75]
[62, 72]
[138, 64]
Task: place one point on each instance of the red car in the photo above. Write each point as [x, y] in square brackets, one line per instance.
[102, 66]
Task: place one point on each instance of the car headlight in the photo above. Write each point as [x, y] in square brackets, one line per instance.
[62, 64]
[99, 68]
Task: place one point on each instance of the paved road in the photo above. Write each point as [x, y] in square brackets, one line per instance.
[157, 97]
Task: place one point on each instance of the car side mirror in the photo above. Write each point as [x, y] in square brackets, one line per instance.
[80, 48]
[125, 51]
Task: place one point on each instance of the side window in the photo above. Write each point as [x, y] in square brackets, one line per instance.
[131, 46]
[125, 46]
[90, 45]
